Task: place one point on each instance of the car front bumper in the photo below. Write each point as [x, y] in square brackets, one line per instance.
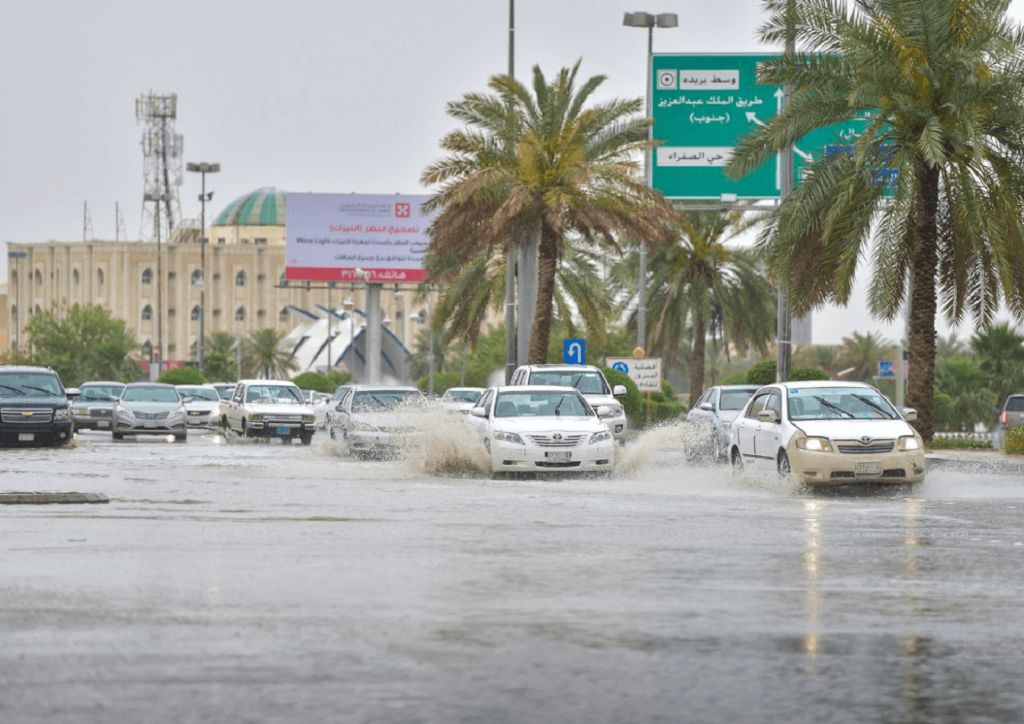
[202, 419]
[376, 442]
[36, 433]
[124, 426]
[835, 468]
[529, 458]
[91, 422]
[289, 430]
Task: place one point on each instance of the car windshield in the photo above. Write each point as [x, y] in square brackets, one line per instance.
[839, 403]
[587, 382]
[274, 394]
[1015, 404]
[734, 399]
[463, 395]
[100, 392]
[200, 393]
[541, 404]
[226, 391]
[30, 383]
[377, 400]
[150, 394]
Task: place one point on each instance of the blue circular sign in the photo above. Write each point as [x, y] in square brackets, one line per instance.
[621, 367]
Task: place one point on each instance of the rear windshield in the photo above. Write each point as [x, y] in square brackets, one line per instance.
[1015, 404]
[734, 399]
[378, 400]
[199, 393]
[29, 383]
[589, 383]
[463, 395]
[100, 392]
[150, 394]
[274, 394]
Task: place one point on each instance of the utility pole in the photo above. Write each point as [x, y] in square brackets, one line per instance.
[510, 254]
[783, 322]
[202, 169]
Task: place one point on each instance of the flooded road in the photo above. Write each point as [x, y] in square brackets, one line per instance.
[245, 582]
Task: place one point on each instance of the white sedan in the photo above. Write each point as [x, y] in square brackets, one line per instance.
[827, 433]
[542, 429]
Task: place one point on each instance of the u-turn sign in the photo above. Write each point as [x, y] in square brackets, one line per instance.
[574, 351]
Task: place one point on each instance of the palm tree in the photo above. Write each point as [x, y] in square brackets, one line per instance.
[262, 354]
[863, 352]
[1000, 351]
[935, 176]
[702, 285]
[540, 164]
[948, 346]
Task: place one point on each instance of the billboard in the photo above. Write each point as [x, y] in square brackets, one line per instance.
[331, 236]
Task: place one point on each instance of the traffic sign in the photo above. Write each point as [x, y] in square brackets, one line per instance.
[645, 372]
[574, 351]
[702, 106]
[886, 369]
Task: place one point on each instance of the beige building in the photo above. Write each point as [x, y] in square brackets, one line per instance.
[246, 289]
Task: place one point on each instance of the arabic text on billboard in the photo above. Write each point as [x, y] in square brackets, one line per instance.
[330, 236]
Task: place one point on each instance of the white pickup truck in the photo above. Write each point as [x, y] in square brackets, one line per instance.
[268, 409]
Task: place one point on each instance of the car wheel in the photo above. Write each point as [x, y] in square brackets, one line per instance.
[245, 429]
[181, 438]
[117, 435]
[783, 465]
[307, 438]
[737, 462]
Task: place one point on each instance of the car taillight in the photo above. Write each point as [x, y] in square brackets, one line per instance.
[1004, 419]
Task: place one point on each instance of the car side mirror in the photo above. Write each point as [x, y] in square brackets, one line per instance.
[604, 411]
[706, 406]
[72, 392]
[478, 412]
[909, 414]
[619, 391]
[768, 416]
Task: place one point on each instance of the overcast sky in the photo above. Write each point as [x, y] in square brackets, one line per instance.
[338, 96]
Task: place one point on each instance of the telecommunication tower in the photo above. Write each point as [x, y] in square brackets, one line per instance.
[162, 150]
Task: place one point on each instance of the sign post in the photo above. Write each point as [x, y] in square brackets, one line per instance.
[645, 371]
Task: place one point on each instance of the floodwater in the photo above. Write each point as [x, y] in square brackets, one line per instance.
[261, 583]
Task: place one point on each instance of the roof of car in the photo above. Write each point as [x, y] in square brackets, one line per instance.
[537, 388]
[200, 386]
[149, 384]
[825, 383]
[385, 388]
[463, 389]
[740, 387]
[97, 383]
[266, 382]
[591, 368]
[26, 368]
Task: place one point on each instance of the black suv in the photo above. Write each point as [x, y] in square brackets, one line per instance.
[33, 407]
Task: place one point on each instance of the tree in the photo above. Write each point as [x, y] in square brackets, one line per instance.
[263, 357]
[326, 382]
[182, 376]
[935, 174]
[863, 352]
[539, 165]
[84, 343]
[1000, 352]
[701, 284]
[965, 399]
[219, 361]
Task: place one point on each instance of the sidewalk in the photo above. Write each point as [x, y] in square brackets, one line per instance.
[976, 461]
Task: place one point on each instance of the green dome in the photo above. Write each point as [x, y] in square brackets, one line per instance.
[262, 207]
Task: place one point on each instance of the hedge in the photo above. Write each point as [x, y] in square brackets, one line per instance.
[182, 376]
[1013, 440]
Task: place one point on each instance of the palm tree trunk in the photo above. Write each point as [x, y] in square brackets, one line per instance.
[920, 387]
[547, 268]
[697, 355]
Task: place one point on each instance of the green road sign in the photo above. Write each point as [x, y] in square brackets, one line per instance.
[702, 106]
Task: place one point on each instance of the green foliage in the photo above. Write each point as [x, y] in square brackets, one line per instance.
[663, 405]
[326, 382]
[262, 355]
[182, 376]
[962, 399]
[959, 443]
[763, 373]
[1013, 440]
[633, 402]
[219, 361]
[442, 381]
[736, 378]
[83, 343]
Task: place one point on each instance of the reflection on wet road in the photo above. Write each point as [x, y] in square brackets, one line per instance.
[245, 582]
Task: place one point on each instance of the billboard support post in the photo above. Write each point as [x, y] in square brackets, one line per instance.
[373, 334]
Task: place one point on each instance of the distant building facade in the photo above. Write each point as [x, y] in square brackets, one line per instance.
[245, 285]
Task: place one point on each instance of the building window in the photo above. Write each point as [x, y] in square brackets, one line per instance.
[39, 278]
[171, 349]
[262, 242]
[147, 276]
[195, 313]
[147, 313]
[240, 314]
[99, 277]
[240, 279]
[147, 350]
[75, 276]
[193, 351]
[197, 275]
[282, 316]
[221, 239]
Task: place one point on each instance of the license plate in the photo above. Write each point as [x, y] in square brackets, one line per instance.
[26, 436]
[867, 469]
[558, 457]
[284, 431]
[102, 423]
[149, 424]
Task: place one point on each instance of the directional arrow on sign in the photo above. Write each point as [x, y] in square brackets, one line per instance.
[752, 117]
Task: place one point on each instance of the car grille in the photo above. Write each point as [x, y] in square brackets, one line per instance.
[283, 419]
[16, 416]
[852, 447]
[552, 441]
[99, 412]
[152, 415]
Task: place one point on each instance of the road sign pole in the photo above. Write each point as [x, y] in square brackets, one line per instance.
[783, 330]
[641, 290]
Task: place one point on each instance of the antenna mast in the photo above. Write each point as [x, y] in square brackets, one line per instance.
[162, 151]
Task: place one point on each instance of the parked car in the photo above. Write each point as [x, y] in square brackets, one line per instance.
[827, 433]
[93, 409]
[589, 380]
[1012, 414]
[376, 420]
[711, 418]
[224, 389]
[202, 404]
[149, 408]
[543, 429]
[33, 406]
[460, 399]
[268, 409]
[332, 410]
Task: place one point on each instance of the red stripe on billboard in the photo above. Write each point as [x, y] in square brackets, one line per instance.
[335, 274]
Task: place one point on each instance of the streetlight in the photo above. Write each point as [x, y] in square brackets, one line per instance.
[202, 169]
[649, 21]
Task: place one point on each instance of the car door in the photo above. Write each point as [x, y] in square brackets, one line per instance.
[698, 415]
[769, 433]
[481, 425]
[235, 407]
[747, 427]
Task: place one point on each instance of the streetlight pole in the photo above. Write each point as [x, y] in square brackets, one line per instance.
[158, 198]
[202, 169]
[783, 322]
[511, 254]
[330, 314]
[649, 21]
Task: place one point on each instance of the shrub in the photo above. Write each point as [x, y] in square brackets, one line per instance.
[633, 402]
[736, 378]
[805, 374]
[442, 381]
[182, 376]
[959, 443]
[326, 382]
[1013, 440]
[763, 373]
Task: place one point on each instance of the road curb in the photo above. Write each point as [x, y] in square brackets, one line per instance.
[37, 498]
[996, 464]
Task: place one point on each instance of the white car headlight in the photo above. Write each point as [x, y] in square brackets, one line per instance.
[814, 444]
[125, 412]
[81, 410]
[177, 413]
[508, 437]
[910, 442]
[308, 418]
[61, 413]
[600, 436]
[363, 427]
